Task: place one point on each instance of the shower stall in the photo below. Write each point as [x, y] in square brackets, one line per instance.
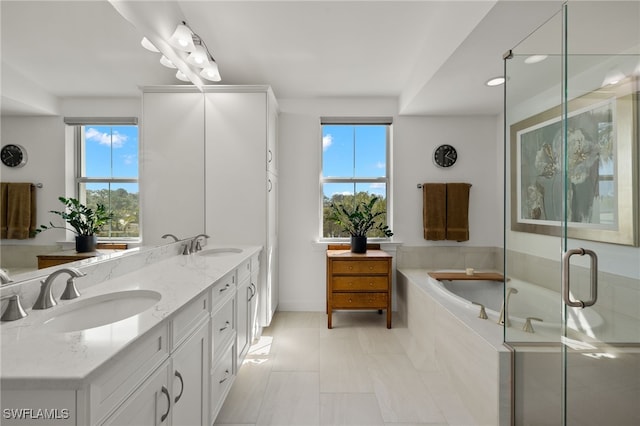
[572, 217]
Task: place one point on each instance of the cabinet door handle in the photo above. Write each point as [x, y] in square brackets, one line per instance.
[270, 156]
[226, 325]
[164, 416]
[179, 376]
[225, 288]
[226, 376]
[270, 185]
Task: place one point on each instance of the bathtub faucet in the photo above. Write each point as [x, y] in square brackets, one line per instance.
[504, 317]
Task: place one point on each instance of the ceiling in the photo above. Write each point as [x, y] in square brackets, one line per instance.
[433, 56]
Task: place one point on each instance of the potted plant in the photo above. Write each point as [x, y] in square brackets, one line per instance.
[358, 220]
[82, 220]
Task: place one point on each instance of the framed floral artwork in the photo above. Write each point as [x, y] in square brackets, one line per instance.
[599, 197]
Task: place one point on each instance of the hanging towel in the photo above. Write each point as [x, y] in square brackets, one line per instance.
[21, 210]
[4, 187]
[434, 210]
[458, 211]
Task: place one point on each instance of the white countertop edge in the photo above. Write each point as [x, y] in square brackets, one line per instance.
[38, 359]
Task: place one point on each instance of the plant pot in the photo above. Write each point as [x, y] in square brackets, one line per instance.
[358, 244]
[86, 243]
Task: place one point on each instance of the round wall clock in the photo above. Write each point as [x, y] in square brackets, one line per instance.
[13, 155]
[445, 156]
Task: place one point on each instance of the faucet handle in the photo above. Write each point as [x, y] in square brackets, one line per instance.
[14, 309]
[483, 313]
[70, 291]
[527, 324]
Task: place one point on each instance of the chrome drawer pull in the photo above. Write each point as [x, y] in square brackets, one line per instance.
[225, 326]
[226, 287]
[226, 376]
[179, 376]
[164, 416]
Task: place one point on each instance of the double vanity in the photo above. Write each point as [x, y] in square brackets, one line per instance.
[160, 344]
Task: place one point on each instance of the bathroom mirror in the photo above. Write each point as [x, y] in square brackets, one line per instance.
[83, 59]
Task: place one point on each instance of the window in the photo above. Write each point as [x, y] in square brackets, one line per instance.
[107, 173]
[355, 167]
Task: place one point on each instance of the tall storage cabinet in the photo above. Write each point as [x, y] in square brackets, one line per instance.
[242, 178]
[172, 173]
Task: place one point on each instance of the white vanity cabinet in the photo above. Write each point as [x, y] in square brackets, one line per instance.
[177, 392]
[241, 177]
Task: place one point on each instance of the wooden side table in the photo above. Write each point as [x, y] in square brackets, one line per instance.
[358, 281]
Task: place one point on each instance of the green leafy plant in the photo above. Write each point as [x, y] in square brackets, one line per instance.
[81, 219]
[360, 219]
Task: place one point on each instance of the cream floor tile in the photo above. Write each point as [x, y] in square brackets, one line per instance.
[291, 399]
[243, 403]
[296, 349]
[289, 320]
[349, 409]
[341, 362]
[447, 399]
[401, 393]
[379, 340]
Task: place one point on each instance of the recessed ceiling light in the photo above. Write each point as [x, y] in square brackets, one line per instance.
[534, 59]
[496, 81]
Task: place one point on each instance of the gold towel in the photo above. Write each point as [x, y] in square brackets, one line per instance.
[434, 210]
[458, 211]
[20, 207]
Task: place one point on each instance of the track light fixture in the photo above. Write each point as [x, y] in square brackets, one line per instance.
[199, 57]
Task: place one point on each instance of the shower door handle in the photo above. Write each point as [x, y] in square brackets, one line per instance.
[566, 280]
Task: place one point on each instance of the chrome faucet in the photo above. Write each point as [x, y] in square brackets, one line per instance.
[195, 243]
[504, 316]
[4, 277]
[175, 239]
[45, 298]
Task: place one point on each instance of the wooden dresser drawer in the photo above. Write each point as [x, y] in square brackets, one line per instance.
[359, 300]
[360, 267]
[360, 283]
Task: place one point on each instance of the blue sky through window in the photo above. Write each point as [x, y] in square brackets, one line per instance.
[354, 151]
[111, 151]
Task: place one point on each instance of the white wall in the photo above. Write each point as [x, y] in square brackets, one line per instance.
[302, 261]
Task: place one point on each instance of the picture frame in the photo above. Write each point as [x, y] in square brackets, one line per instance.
[602, 163]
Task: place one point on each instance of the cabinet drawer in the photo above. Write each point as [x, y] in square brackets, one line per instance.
[188, 319]
[360, 283]
[222, 376]
[116, 383]
[223, 327]
[244, 270]
[359, 300]
[223, 288]
[360, 267]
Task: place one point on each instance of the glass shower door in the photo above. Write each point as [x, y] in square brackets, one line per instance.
[600, 336]
[571, 206]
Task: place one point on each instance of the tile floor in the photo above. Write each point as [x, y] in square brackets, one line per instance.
[358, 373]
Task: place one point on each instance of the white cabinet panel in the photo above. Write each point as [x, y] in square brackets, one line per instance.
[241, 177]
[172, 171]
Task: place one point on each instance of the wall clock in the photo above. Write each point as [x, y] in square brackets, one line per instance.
[445, 156]
[13, 155]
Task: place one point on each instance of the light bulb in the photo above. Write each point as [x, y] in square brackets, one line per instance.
[166, 62]
[182, 76]
[148, 45]
[211, 72]
[182, 39]
[199, 57]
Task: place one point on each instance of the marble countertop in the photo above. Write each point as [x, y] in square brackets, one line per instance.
[31, 355]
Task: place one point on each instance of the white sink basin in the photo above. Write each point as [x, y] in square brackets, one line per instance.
[226, 251]
[100, 310]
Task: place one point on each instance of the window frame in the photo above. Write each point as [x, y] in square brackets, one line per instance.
[78, 129]
[357, 121]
